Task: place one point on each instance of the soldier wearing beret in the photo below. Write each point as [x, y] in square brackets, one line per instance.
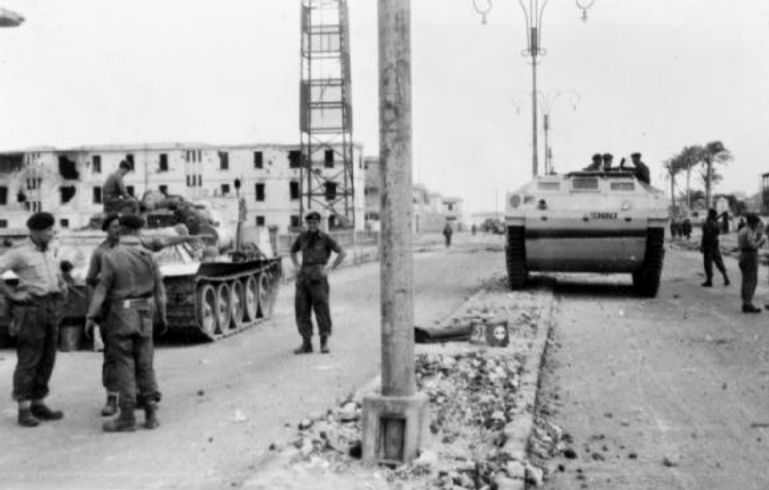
[608, 158]
[312, 289]
[596, 163]
[640, 169]
[36, 304]
[129, 290]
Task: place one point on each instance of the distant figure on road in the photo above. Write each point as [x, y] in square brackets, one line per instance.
[596, 165]
[749, 240]
[114, 193]
[640, 170]
[447, 232]
[686, 228]
[474, 229]
[312, 290]
[711, 252]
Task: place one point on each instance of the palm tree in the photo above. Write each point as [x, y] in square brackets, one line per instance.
[689, 156]
[714, 151]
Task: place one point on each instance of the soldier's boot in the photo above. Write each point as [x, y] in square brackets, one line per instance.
[707, 284]
[305, 348]
[324, 344]
[41, 411]
[125, 422]
[26, 419]
[110, 406]
[151, 414]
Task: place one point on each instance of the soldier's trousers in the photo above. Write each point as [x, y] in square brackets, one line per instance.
[128, 344]
[312, 295]
[37, 339]
[749, 267]
[711, 257]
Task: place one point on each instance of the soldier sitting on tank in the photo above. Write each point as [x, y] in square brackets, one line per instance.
[608, 158]
[640, 170]
[596, 165]
[115, 194]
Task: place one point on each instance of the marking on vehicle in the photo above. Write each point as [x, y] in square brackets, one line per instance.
[603, 215]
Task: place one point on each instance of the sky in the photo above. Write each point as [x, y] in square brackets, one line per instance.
[638, 75]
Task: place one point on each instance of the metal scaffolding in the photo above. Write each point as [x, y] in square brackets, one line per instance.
[325, 119]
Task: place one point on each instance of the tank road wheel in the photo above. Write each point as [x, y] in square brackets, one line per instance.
[515, 257]
[223, 307]
[207, 309]
[251, 298]
[237, 303]
[646, 281]
[265, 293]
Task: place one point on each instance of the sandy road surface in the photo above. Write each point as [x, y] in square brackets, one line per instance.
[665, 393]
[225, 402]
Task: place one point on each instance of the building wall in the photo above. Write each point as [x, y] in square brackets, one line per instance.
[191, 171]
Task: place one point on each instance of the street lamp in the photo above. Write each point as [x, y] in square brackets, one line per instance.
[547, 102]
[10, 19]
[533, 10]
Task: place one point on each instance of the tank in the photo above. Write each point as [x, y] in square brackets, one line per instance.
[214, 290]
[587, 221]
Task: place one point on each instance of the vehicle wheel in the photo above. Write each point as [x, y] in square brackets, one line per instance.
[646, 281]
[515, 257]
[206, 313]
[252, 298]
[265, 295]
[237, 303]
[223, 307]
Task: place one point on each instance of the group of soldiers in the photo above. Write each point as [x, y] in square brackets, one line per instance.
[750, 238]
[604, 163]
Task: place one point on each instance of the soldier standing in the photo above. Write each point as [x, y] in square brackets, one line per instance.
[711, 252]
[130, 288]
[749, 240]
[36, 306]
[312, 289]
[447, 232]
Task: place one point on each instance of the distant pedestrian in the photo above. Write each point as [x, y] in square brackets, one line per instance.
[686, 228]
[36, 306]
[312, 289]
[711, 252]
[447, 232]
[749, 240]
[474, 229]
[129, 292]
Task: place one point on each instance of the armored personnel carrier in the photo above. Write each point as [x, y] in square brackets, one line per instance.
[587, 221]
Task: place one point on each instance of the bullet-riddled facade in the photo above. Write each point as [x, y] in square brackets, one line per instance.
[68, 182]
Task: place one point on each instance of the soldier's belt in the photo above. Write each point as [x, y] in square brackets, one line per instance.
[130, 303]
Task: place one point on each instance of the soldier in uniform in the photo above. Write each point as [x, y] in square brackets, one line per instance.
[312, 290]
[640, 169]
[129, 290]
[749, 240]
[36, 306]
[115, 195]
[608, 158]
[596, 165]
[711, 252]
[447, 232]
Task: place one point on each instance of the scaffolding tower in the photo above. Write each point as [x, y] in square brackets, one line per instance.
[325, 120]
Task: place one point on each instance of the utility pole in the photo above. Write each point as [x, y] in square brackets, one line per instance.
[395, 421]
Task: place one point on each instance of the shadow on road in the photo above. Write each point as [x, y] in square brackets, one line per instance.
[576, 287]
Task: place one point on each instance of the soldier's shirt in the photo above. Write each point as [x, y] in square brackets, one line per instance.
[153, 244]
[114, 187]
[127, 271]
[315, 248]
[38, 270]
[747, 239]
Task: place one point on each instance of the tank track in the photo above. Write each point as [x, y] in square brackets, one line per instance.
[646, 281]
[183, 302]
[515, 257]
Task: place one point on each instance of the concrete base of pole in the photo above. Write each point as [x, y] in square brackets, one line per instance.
[394, 427]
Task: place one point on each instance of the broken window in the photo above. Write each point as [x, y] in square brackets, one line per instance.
[3, 223]
[67, 192]
[68, 168]
[260, 221]
[259, 191]
[97, 195]
[329, 158]
[330, 191]
[11, 162]
[294, 159]
[163, 163]
[3, 195]
[225, 189]
[293, 189]
[96, 164]
[21, 197]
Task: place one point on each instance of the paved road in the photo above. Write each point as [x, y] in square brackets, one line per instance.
[225, 402]
[665, 393]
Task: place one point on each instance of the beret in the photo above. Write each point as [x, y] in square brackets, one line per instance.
[636, 154]
[40, 221]
[108, 219]
[312, 215]
[131, 221]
